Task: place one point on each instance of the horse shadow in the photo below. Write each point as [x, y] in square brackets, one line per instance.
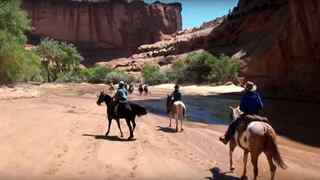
[218, 175]
[166, 129]
[109, 138]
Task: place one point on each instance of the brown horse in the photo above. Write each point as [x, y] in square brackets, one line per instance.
[146, 89]
[176, 110]
[140, 89]
[255, 138]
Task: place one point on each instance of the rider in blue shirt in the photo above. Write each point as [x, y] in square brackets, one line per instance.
[250, 104]
[121, 99]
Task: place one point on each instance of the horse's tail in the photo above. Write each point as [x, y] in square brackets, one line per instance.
[138, 110]
[274, 150]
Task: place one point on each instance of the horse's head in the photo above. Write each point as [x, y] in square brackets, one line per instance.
[235, 112]
[103, 98]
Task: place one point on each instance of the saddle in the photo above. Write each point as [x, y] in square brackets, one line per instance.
[250, 118]
[245, 120]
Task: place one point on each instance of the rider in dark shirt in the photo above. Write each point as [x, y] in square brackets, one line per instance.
[251, 104]
[176, 94]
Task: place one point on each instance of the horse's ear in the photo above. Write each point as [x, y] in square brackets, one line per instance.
[232, 108]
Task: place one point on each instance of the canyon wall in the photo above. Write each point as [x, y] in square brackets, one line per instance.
[278, 42]
[111, 27]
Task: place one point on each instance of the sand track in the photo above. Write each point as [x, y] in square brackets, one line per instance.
[60, 137]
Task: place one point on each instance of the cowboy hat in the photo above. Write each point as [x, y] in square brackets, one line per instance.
[250, 86]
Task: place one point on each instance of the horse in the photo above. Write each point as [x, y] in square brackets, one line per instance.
[140, 89]
[128, 115]
[145, 89]
[255, 138]
[111, 88]
[176, 110]
[131, 88]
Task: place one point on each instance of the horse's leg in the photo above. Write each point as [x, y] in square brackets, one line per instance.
[109, 125]
[182, 118]
[273, 167]
[130, 128]
[134, 122]
[118, 122]
[177, 121]
[232, 146]
[245, 160]
[254, 161]
[170, 117]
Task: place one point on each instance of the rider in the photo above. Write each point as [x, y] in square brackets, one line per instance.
[121, 99]
[251, 104]
[176, 94]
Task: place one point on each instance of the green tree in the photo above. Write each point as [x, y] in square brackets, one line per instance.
[16, 63]
[58, 58]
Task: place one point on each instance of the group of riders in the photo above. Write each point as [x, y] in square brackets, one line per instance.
[250, 104]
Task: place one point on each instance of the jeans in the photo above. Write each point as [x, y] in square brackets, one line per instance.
[232, 129]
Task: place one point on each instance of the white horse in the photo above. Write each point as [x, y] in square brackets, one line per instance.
[177, 111]
[255, 138]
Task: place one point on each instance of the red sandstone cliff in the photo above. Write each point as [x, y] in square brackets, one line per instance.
[114, 27]
[279, 43]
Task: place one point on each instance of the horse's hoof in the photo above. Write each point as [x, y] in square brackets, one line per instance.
[107, 133]
[232, 169]
[130, 137]
[181, 130]
[121, 135]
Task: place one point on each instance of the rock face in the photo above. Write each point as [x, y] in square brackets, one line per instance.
[278, 42]
[115, 27]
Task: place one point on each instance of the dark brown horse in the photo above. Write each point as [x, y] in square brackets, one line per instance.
[128, 115]
[255, 138]
[146, 89]
[143, 88]
[140, 89]
[131, 88]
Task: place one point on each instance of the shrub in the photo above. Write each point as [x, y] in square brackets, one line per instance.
[204, 67]
[69, 77]
[117, 76]
[95, 74]
[152, 75]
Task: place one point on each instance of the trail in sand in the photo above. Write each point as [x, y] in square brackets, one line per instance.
[59, 136]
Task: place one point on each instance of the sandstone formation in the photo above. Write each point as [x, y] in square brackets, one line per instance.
[103, 28]
[278, 42]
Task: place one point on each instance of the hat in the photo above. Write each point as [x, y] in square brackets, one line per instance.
[121, 83]
[250, 86]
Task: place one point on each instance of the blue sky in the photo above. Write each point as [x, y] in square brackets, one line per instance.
[195, 12]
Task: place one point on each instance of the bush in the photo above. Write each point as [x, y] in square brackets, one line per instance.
[204, 67]
[117, 76]
[95, 74]
[69, 77]
[152, 75]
